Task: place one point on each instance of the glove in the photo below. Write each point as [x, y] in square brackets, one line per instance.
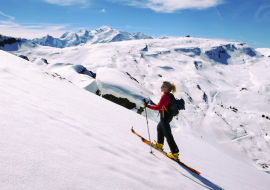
[145, 105]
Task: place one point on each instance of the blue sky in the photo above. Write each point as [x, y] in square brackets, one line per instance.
[245, 21]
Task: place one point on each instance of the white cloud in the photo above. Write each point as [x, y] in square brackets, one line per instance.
[219, 14]
[31, 30]
[85, 3]
[10, 17]
[103, 10]
[170, 6]
[263, 13]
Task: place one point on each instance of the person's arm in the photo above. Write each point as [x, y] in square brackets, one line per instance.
[164, 101]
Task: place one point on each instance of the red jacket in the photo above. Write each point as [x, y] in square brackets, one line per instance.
[164, 101]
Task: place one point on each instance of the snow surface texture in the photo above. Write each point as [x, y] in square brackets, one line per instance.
[101, 35]
[225, 84]
[264, 51]
[55, 135]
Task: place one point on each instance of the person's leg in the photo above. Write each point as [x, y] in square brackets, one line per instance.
[160, 135]
[167, 132]
[170, 140]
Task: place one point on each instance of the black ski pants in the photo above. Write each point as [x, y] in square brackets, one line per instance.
[164, 130]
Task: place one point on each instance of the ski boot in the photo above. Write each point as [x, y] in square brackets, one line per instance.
[173, 156]
[158, 145]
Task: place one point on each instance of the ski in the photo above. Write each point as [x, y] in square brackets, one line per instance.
[164, 153]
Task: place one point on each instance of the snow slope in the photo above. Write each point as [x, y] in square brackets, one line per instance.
[55, 135]
[225, 84]
[264, 51]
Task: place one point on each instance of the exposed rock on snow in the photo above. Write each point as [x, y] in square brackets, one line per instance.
[120, 101]
[23, 57]
[6, 40]
[40, 61]
[11, 44]
[198, 65]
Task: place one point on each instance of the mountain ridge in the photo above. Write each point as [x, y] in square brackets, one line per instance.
[103, 34]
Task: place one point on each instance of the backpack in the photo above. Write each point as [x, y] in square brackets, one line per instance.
[180, 104]
[175, 105]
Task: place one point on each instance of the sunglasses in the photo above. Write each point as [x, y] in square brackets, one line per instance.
[163, 86]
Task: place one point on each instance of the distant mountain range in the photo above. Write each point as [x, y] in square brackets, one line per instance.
[103, 34]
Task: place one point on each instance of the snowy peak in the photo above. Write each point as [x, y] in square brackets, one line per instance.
[49, 41]
[65, 35]
[140, 35]
[83, 33]
[103, 29]
[103, 34]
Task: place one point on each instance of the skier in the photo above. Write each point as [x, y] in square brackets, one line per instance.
[163, 127]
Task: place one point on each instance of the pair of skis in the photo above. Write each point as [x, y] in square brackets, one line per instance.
[163, 152]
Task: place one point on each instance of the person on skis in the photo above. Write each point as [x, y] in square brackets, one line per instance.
[163, 127]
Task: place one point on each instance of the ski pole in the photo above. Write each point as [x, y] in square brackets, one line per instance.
[148, 127]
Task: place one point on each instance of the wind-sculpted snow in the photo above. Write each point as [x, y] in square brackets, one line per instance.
[225, 84]
[76, 74]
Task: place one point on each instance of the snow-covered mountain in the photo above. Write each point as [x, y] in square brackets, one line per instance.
[7, 40]
[101, 35]
[55, 135]
[225, 84]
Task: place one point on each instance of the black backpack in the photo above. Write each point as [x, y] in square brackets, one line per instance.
[175, 105]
